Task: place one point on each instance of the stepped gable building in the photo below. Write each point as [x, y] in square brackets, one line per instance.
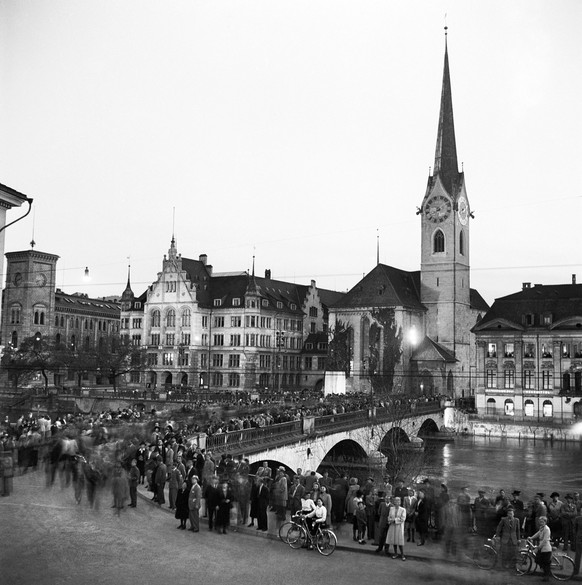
[33, 306]
[219, 331]
[529, 354]
[432, 310]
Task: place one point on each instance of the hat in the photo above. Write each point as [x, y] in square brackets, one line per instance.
[540, 495]
[481, 491]
[554, 494]
[515, 493]
[569, 497]
[281, 468]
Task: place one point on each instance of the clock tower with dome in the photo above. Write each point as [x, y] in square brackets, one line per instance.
[445, 250]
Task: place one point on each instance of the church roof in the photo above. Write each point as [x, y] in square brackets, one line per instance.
[561, 301]
[431, 351]
[385, 286]
[477, 301]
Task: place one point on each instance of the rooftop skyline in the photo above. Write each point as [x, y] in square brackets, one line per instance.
[297, 132]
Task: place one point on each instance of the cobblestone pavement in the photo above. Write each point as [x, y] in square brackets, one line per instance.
[47, 538]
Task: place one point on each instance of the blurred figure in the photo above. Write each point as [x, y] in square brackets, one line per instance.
[134, 480]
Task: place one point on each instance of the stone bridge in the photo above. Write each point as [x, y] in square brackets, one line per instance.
[306, 443]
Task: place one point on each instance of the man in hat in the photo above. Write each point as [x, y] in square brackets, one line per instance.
[538, 510]
[280, 493]
[508, 530]
[160, 478]
[482, 509]
[554, 522]
[517, 504]
[567, 516]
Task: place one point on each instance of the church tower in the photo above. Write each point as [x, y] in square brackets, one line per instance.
[445, 218]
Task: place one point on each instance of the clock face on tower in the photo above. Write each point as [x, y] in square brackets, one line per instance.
[463, 212]
[40, 280]
[437, 208]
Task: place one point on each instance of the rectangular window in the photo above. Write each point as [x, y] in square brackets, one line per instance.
[186, 338]
[235, 321]
[235, 340]
[136, 340]
[134, 377]
[205, 321]
[136, 324]
[219, 321]
[264, 361]
[565, 350]
[528, 380]
[234, 380]
[312, 327]
[155, 339]
[299, 325]
[546, 350]
[217, 302]
[218, 339]
[251, 339]
[491, 350]
[491, 379]
[547, 382]
[236, 302]
[529, 350]
[509, 350]
[509, 378]
[205, 339]
[217, 379]
[168, 359]
[124, 323]
[152, 359]
[309, 363]
[321, 363]
[234, 360]
[183, 358]
[203, 360]
[217, 360]
[170, 338]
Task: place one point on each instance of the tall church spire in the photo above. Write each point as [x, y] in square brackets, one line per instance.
[445, 157]
[128, 293]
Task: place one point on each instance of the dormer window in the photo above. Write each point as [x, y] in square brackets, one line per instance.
[236, 302]
[279, 305]
[309, 346]
[265, 302]
[293, 306]
[217, 302]
[547, 318]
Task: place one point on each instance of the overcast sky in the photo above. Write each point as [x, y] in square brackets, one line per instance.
[293, 130]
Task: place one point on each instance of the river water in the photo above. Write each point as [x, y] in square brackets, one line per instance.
[527, 465]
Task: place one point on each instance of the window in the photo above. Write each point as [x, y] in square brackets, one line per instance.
[321, 363]
[491, 350]
[235, 340]
[236, 321]
[168, 359]
[234, 360]
[438, 242]
[528, 319]
[155, 318]
[299, 325]
[219, 339]
[217, 379]
[152, 359]
[134, 377]
[15, 314]
[491, 379]
[125, 322]
[183, 358]
[138, 305]
[279, 305]
[293, 307]
[490, 408]
[309, 346]
[528, 408]
[322, 346]
[529, 350]
[136, 339]
[264, 302]
[251, 321]
[509, 378]
[171, 318]
[264, 361]
[546, 350]
[251, 339]
[313, 311]
[170, 339]
[217, 302]
[219, 321]
[528, 380]
[509, 351]
[205, 321]
[462, 243]
[186, 338]
[547, 318]
[312, 327]
[155, 339]
[186, 318]
[565, 350]
[547, 382]
[308, 363]
[236, 302]
[566, 382]
[205, 339]
[170, 286]
[217, 360]
[136, 323]
[234, 380]
[251, 303]
[547, 409]
[509, 407]
[203, 360]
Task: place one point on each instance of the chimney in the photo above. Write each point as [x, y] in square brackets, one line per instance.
[526, 285]
[573, 279]
[208, 268]
[203, 258]
[268, 273]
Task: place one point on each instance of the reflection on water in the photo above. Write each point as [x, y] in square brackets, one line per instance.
[507, 463]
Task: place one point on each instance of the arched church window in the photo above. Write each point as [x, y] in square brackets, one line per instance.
[171, 318]
[155, 318]
[438, 242]
[186, 318]
[462, 243]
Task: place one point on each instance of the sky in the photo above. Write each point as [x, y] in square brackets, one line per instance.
[300, 132]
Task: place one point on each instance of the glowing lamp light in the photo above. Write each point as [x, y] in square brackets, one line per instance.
[86, 276]
[413, 336]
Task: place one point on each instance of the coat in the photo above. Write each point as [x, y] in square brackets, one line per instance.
[508, 530]
[280, 491]
[396, 520]
[182, 504]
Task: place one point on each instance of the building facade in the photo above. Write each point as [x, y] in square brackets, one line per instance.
[223, 331]
[529, 354]
[429, 313]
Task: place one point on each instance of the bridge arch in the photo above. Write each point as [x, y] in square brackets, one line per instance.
[428, 427]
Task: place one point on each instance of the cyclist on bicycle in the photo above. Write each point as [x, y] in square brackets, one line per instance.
[319, 516]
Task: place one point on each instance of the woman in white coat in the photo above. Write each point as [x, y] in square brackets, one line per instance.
[395, 536]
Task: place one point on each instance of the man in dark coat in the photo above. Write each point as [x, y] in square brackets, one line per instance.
[160, 478]
[422, 518]
[212, 498]
[262, 505]
[508, 530]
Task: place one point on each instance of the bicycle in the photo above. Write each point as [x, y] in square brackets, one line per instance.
[299, 535]
[485, 557]
[284, 528]
[561, 565]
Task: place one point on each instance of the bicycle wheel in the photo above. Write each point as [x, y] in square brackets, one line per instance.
[296, 536]
[562, 567]
[326, 542]
[485, 557]
[523, 563]
[283, 529]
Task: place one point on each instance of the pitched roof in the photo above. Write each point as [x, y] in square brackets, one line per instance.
[384, 286]
[80, 303]
[430, 350]
[562, 301]
[477, 301]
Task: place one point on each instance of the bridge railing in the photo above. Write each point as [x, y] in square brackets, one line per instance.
[243, 439]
